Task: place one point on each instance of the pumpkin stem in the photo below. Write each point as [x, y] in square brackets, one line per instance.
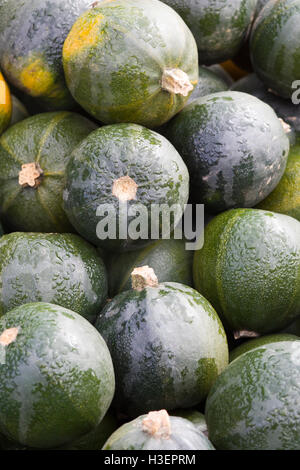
[157, 424]
[285, 125]
[143, 277]
[8, 336]
[245, 334]
[125, 188]
[30, 175]
[176, 81]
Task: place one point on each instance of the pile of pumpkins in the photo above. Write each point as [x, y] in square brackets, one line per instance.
[122, 343]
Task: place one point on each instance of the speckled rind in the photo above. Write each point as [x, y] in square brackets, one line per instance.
[261, 341]
[254, 403]
[156, 366]
[61, 269]
[57, 380]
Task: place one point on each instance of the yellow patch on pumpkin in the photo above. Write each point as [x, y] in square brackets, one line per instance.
[85, 33]
[36, 78]
[5, 103]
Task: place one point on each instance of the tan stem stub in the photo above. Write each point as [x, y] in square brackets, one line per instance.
[245, 334]
[30, 175]
[176, 81]
[286, 127]
[8, 336]
[143, 277]
[125, 188]
[157, 424]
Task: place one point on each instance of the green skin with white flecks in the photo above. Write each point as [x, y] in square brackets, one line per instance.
[249, 269]
[261, 341]
[167, 344]
[62, 269]
[184, 436]
[47, 139]
[30, 29]
[254, 403]
[118, 77]
[209, 82]
[168, 258]
[116, 151]
[274, 45]
[220, 27]
[57, 381]
[234, 146]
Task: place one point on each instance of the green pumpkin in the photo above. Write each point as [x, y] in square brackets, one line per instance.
[146, 330]
[121, 167]
[158, 431]
[19, 112]
[33, 156]
[61, 269]
[285, 198]
[129, 61]
[197, 418]
[234, 146]
[209, 82]
[274, 46]
[32, 33]
[260, 341]
[57, 381]
[168, 258]
[220, 27]
[249, 269]
[255, 403]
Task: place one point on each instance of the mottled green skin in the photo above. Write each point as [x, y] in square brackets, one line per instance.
[219, 26]
[167, 345]
[284, 109]
[48, 139]
[249, 269]
[95, 439]
[184, 436]
[209, 82]
[261, 341]
[118, 79]
[19, 112]
[61, 269]
[168, 258]
[57, 381]
[38, 28]
[234, 147]
[110, 153]
[285, 198]
[197, 418]
[254, 403]
[274, 45]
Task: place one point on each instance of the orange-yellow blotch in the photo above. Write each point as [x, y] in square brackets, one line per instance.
[85, 33]
[36, 78]
[5, 98]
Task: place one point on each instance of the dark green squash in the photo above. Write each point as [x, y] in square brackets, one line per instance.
[114, 171]
[249, 269]
[209, 82]
[234, 146]
[32, 33]
[274, 46]
[1, 230]
[260, 341]
[33, 157]
[167, 345]
[61, 269]
[168, 258]
[220, 27]
[19, 112]
[57, 381]
[254, 403]
[129, 61]
[158, 431]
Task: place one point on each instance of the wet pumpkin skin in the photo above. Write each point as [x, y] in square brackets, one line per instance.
[115, 55]
[274, 46]
[47, 139]
[62, 269]
[155, 366]
[31, 39]
[234, 146]
[5, 105]
[58, 381]
[249, 269]
[220, 27]
[184, 436]
[254, 403]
